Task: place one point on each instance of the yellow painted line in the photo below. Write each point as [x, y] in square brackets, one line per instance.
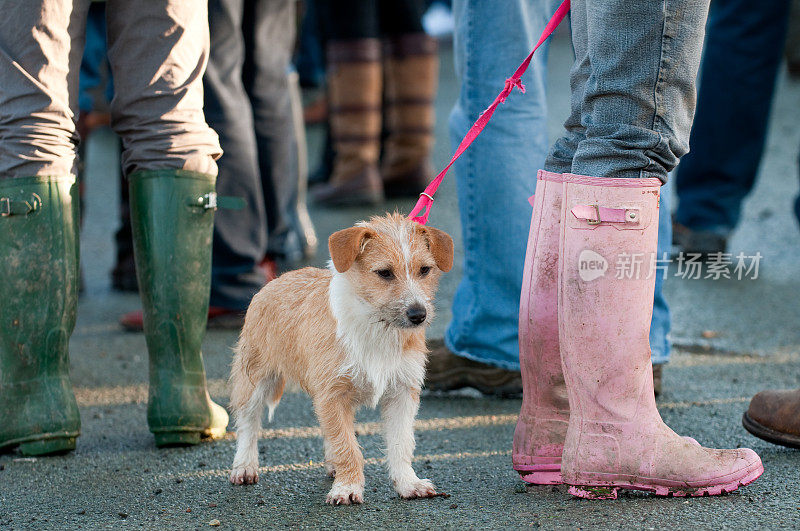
[374, 428]
[452, 423]
[311, 465]
[137, 394]
[699, 360]
[701, 403]
[119, 395]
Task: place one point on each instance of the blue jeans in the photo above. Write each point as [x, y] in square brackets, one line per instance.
[497, 174]
[310, 58]
[632, 103]
[744, 47]
[661, 323]
[632, 87]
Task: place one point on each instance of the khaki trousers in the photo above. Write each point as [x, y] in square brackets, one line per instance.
[158, 51]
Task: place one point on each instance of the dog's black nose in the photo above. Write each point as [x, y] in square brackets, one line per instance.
[416, 314]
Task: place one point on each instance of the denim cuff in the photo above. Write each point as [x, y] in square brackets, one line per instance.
[660, 357]
[502, 364]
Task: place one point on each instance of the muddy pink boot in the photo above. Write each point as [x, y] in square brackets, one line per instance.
[542, 423]
[616, 438]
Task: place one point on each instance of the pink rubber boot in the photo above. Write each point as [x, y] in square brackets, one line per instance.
[616, 438]
[542, 423]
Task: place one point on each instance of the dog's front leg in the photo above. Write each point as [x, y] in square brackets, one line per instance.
[330, 468]
[336, 414]
[399, 408]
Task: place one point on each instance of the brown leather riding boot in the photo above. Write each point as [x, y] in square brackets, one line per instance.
[411, 72]
[775, 417]
[448, 372]
[658, 378]
[355, 87]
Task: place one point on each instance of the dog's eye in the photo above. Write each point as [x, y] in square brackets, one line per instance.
[385, 273]
[424, 270]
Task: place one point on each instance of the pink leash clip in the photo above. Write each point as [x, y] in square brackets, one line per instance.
[423, 207]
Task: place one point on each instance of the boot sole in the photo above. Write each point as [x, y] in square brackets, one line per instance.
[538, 470]
[548, 473]
[768, 434]
[58, 445]
[543, 476]
[166, 439]
[45, 445]
[609, 490]
[492, 392]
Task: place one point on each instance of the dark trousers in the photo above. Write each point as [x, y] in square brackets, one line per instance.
[370, 19]
[248, 104]
[310, 57]
[744, 44]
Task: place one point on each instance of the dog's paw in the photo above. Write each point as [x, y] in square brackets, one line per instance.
[345, 494]
[418, 488]
[244, 475]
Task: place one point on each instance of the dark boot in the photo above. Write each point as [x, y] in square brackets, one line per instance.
[658, 372]
[411, 72]
[123, 275]
[172, 213]
[354, 94]
[39, 294]
[775, 417]
[702, 242]
[448, 372]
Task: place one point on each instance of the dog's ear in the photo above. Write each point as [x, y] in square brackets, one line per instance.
[345, 245]
[441, 246]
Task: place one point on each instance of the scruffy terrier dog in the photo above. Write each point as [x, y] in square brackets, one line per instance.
[351, 335]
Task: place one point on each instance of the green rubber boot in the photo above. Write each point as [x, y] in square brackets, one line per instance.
[38, 301]
[172, 214]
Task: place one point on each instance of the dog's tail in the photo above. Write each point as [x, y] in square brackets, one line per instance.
[251, 389]
[273, 391]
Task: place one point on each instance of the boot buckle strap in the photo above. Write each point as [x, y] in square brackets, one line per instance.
[595, 214]
[212, 201]
[19, 207]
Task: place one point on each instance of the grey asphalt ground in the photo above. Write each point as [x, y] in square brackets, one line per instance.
[735, 338]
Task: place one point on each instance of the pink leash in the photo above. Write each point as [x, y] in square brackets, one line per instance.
[426, 198]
